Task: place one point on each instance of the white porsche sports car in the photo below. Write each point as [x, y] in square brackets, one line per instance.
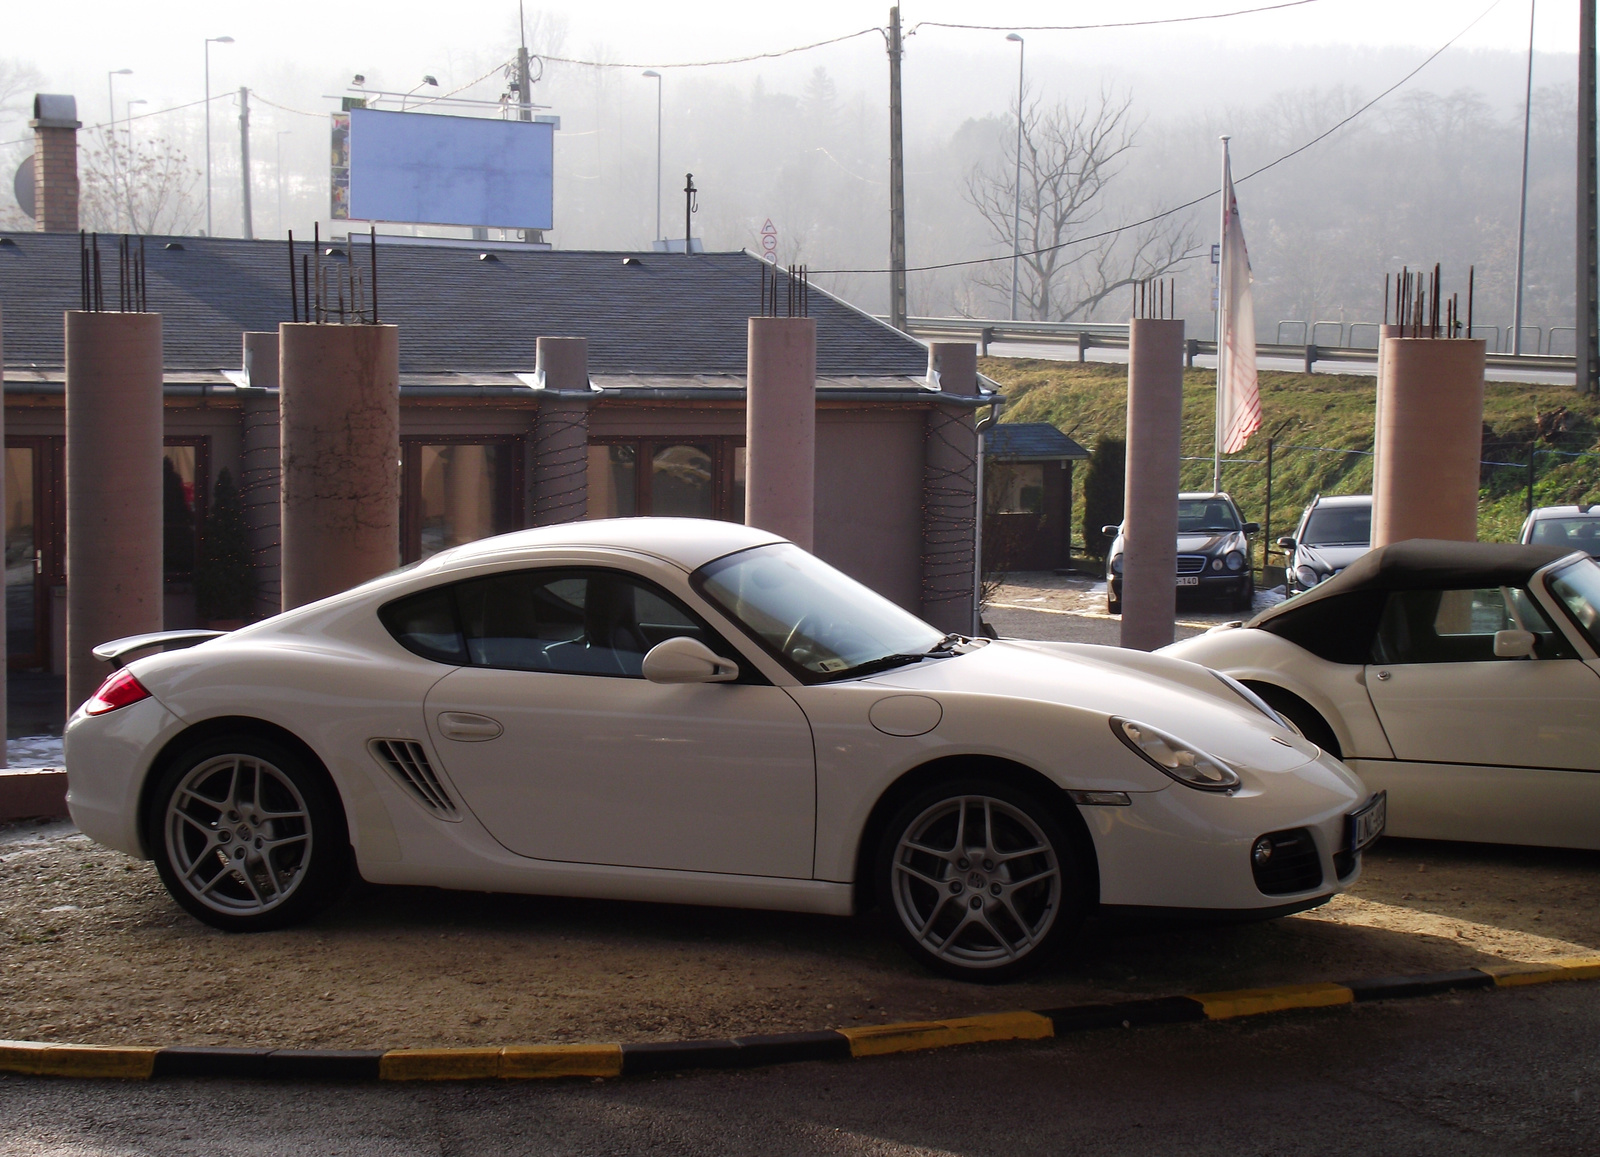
[698, 712]
[1459, 677]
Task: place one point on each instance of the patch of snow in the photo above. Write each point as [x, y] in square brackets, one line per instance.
[35, 751]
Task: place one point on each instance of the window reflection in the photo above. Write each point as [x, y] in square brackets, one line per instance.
[613, 481]
[680, 482]
[462, 491]
[180, 522]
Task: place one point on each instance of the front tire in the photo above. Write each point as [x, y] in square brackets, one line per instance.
[247, 834]
[979, 881]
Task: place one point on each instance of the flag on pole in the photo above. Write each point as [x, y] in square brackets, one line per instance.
[1238, 399]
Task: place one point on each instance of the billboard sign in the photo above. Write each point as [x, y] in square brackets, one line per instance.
[427, 169]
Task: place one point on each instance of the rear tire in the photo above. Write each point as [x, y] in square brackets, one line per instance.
[247, 834]
[979, 880]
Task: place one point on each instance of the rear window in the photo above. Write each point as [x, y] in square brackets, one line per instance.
[1574, 533]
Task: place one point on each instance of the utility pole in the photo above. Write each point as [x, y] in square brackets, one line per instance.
[897, 183]
[1587, 299]
[244, 159]
[691, 205]
[524, 97]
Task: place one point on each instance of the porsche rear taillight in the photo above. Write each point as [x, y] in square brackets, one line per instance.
[119, 690]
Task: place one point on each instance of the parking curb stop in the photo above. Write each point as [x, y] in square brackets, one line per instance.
[602, 1061]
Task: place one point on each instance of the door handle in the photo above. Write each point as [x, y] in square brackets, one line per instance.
[38, 562]
[469, 728]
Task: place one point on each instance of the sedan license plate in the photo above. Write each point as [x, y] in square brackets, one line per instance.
[1188, 580]
[1367, 824]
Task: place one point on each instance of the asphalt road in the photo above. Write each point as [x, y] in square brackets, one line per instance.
[1481, 1073]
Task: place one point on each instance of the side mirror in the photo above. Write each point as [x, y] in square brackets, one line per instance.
[1111, 531]
[1252, 527]
[687, 660]
[1287, 543]
[1513, 644]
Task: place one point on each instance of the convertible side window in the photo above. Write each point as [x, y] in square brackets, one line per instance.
[1458, 626]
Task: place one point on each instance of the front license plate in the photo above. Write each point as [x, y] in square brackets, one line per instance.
[1366, 825]
[1188, 580]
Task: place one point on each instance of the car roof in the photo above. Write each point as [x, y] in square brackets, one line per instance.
[1342, 500]
[688, 542]
[1586, 511]
[1424, 564]
[1199, 494]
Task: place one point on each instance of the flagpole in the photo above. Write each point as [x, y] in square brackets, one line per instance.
[1222, 320]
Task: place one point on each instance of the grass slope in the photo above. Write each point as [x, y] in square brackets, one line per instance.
[1326, 446]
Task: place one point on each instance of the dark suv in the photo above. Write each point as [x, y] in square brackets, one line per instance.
[1213, 553]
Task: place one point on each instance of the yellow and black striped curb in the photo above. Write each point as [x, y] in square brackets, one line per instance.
[544, 1062]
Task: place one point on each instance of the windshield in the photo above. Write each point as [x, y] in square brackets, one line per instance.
[1199, 514]
[812, 617]
[1578, 589]
[1578, 533]
[1339, 526]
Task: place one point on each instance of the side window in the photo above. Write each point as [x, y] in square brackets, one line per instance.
[568, 622]
[425, 624]
[1458, 626]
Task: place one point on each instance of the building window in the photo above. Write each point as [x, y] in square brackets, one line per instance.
[185, 471]
[456, 492]
[680, 477]
[1018, 488]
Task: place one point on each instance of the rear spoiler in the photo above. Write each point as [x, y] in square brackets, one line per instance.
[118, 649]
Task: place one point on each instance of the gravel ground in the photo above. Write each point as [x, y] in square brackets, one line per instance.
[92, 950]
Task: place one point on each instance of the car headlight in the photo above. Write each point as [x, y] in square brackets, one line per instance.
[1306, 576]
[1235, 560]
[1116, 564]
[1185, 763]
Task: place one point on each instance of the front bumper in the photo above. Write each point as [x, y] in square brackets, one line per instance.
[1211, 585]
[1180, 849]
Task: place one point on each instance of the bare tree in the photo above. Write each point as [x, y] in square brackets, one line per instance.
[1070, 156]
[137, 186]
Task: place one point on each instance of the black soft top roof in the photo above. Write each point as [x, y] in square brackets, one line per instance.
[1423, 564]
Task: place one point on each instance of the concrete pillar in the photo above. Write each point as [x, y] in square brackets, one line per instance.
[3, 648]
[560, 467]
[1385, 331]
[1150, 502]
[1429, 439]
[781, 427]
[260, 468]
[114, 429]
[55, 127]
[340, 417]
[949, 517]
[953, 366]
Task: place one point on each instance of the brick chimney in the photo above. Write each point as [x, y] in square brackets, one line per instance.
[55, 163]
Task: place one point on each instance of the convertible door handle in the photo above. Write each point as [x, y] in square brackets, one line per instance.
[469, 728]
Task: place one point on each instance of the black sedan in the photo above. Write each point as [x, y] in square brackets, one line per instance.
[1213, 553]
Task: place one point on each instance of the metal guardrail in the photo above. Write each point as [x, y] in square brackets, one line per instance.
[1114, 335]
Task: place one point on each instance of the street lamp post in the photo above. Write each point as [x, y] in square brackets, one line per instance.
[1522, 210]
[653, 73]
[426, 80]
[210, 40]
[1016, 220]
[111, 104]
[281, 134]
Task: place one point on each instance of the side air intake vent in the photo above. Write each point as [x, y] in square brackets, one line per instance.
[408, 763]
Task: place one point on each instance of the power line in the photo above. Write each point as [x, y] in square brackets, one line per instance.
[1113, 24]
[27, 140]
[1322, 136]
[726, 60]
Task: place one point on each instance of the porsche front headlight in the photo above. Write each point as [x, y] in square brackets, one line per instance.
[1182, 761]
